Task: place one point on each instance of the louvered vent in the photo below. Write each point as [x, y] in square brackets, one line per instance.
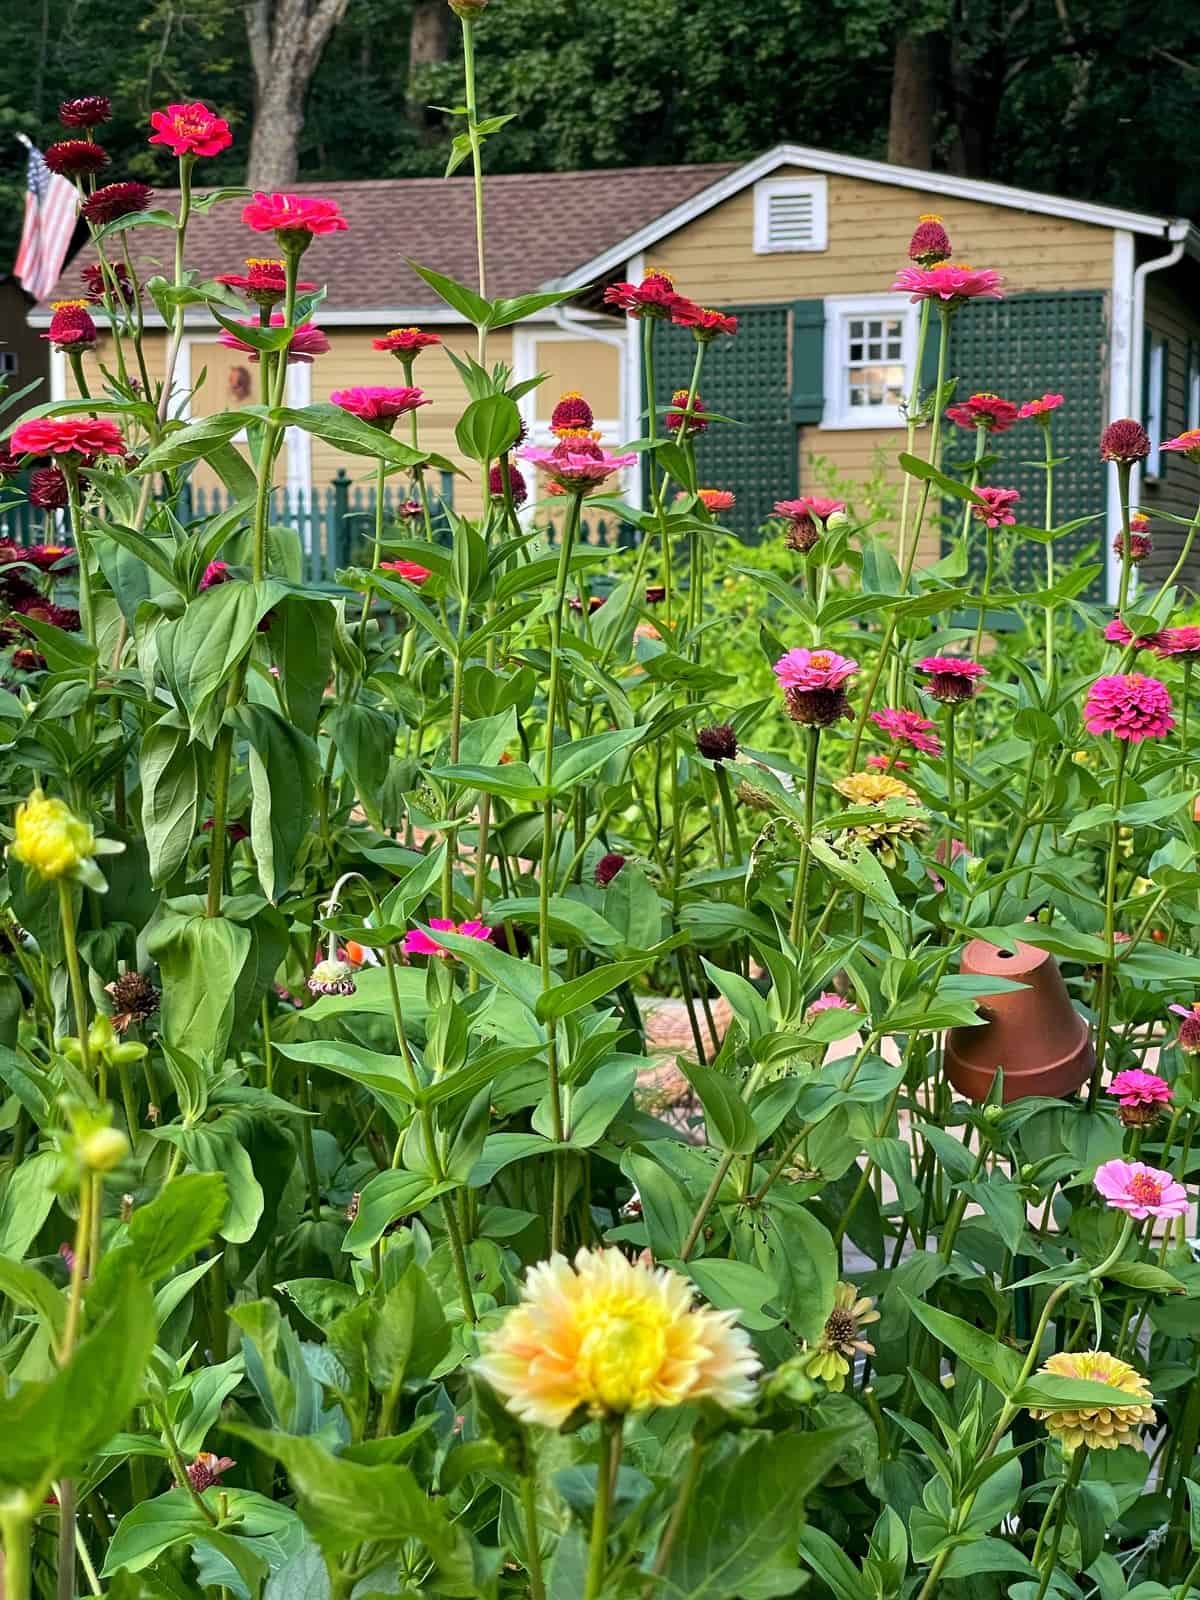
[790, 222]
[790, 214]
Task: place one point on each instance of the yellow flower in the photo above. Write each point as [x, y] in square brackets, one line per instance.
[1098, 1427]
[50, 838]
[874, 788]
[613, 1336]
[842, 1338]
[882, 838]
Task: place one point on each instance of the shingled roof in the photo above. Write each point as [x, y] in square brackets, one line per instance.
[538, 226]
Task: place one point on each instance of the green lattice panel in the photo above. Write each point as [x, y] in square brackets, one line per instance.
[748, 378]
[1020, 348]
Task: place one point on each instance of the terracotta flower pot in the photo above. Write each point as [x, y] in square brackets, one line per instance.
[1034, 1033]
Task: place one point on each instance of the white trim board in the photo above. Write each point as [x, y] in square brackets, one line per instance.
[803, 156]
[1120, 388]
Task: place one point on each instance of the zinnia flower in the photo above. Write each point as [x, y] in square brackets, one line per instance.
[1189, 1028]
[1124, 440]
[997, 506]
[908, 727]
[985, 411]
[517, 486]
[418, 943]
[189, 128]
[807, 518]
[331, 976]
[1188, 443]
[379, 406]
[1140, 1190]
[882, 837]
[874, 788]
[577, 463]
[215, 572]
[88, 111]
[1098, 1427]
[1041, 409]
[828, 1001]
[61, 436]
[571, 412]
[1140, 545]
[716, 500]
[881, 763]
[134, 999]
[405, 342]
[206, 1470]
[841, 1339]
[295, 219]
[116, 200]
[75, 158]
[951, 678]
[49, 838]
[611, 1336]
[412, 572]
[48, 489]
[71, 326]
[705, 324]
[1119, 632]
[306, 342]
[264, 281]
[48, 556]
[607, 867]
[814, 669]
[953, 285]
[115, 280]
[718, 742]
[1129, 706]
[690, 418]
[1140, 1096]
[1180, 644]
[654, 297]
[930, 243]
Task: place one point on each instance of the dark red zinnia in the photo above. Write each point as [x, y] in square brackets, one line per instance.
[47, 489]
[119, 283]
[719, 742]
[572, 411]
[517, 486]
[608, 866]
[930, 243]
[75, 158]
[116, 200]
[88, 111]
[690, 418]
[1124, 440]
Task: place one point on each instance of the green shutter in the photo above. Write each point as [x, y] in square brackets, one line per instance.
[808, 360]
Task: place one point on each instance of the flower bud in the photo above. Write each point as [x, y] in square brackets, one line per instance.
[836, 521]
[50, 838]
[104, 1150]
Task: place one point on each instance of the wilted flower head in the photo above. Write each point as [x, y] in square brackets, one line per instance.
[116, 200]
[655, 296]
[997, 506]
[1140, 545]
[1140, 1190]
[405, 342]
[517, 486]
[908, 727]
[48, 489]
[607, 867]
[951, 678]
[1129, 706]
[71, 326]
[954, 286]
[134, 999]
[841, 1339]
[207, 1469]
[1188, 443]
[689, 417]
[705, 324]
[930, 243]
[49, 838]
[67, 436]
[306, 342]
[75, 158]
[986, 411]
[807, 517]
[1101, 1427]
[1179, 644]
[88, 111]
[1140, 1096]
[295, 219]
[576, 462]
[116, 282]
[377, 405]
[718, 742]
[1189, 1028]
[571, 412]
[1041, 409]
[418, 943]
[411, 571]
[611, 1336]
[189, 128]
[716, 500]
[1124, 440]
[331, 976]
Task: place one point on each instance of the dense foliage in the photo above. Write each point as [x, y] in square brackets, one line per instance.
[343, 1248]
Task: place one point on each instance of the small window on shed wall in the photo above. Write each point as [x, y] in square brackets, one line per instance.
[790, 214]
[870, 353]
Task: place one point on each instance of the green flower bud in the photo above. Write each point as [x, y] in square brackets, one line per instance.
[104, 1150]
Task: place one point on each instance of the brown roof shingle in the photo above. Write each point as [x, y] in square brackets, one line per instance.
[537, 226]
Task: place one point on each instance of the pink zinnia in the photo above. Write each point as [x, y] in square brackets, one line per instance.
[654, 297]
[1137, 1088]
[1118, 632]
[1181, 643]
[293, 215]
[809, 505]
[954, 285]
[1129, 706]
[190, 129]
[715, 500]
[829, 1001]
[930, 243]
[576, 464]
[1140, 1190]
[379, 405]
[1188, 443]
[1189, 1028]
[986, 411]
[418, 943]
[306, 342]
[997, 506]
[882, 763]
[1041, 409]
[814, 669]
[410, 571]
[951, 677]
[908, 727]
[706, 325]
[62, 436]
[214, 573]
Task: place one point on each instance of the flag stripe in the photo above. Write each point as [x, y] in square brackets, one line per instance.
[49, 224]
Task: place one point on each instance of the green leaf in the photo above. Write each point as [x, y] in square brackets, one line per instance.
[666, 1209]
[387, 1198]
[183, 1218]
[567, 998]
[284, 770]
[997, 1363]
[201, 650]
[581, 757]
[201, 959]
[357, 438]
[26, 1202]
[456, 295]
[917, 468]
[986, 1555]
[726, 1114]
[488, 427]
[28, 1289]
[1049, 1393]
[833, 1566]
[505, 312]
[196, 441]
[172, 772]
[410, 1334]
[64, 651]
[144, 1533]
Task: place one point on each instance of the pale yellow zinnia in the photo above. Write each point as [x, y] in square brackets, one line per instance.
[1098, 1427]
[50, 838]
[874, 788]
[614, 1336]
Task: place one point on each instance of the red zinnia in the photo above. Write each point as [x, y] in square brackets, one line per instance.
[306, 342]
[706, 324]
[930, 243]
[88, 111]
[654, 297]
[410, 571]
[984, 411]
[264, 281]
[48, 556]
[47, 489]
[951, 677]
[295, 217]
[571, 412]
[1124, 440]
[607, 867]
[517, 487]
[189, 128]
[1041, 409]
[379, 406]
[61, 436]
[405, 342]
[75, 158]
[715, 500]
[690, 418]
[117, 281]
[71, 326]
[997, 506]
[116, 200]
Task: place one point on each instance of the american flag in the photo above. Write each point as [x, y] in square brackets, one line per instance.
[50, 202]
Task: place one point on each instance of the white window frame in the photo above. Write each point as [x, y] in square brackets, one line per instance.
[838, 412]
[1155, 394]
[1193, 394]
[767, 189]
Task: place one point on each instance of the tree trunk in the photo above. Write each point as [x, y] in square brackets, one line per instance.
[910, 117]
[428, 44]
[286, 38]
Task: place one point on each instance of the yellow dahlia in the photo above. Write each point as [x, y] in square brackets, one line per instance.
[614, 1336]
[50, 838]
[841, 1338]
[1098, 1427]
[874, 788]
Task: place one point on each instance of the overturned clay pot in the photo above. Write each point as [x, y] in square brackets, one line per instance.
[1034, 1033]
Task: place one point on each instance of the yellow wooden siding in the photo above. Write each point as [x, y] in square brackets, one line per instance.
[1169, 312]
[585, 365]
[870, 224]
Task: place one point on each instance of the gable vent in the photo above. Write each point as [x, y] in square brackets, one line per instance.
[790, 215]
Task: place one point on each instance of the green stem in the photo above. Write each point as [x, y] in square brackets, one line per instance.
[691, 1476]
[1060, 1516]
[1124, 469]
[606, 1472]
[468, 33]
[1108, 974]
[66, 914]
[800, 889]
[87, 615]
[17, 1527]
[533, 1554]
[914, 406]
[1047, 523]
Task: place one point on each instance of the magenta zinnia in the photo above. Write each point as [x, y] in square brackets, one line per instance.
[65, 436]
[1140, 1096]
[295, 218]
[908, 727]
[607, 868]
[71, 326]
[379, 406]
[1129, 706]
[418, 943]
[1118, 632]
[814, 685]
[1180, 644]
[576, 463]
[1189, 1028]
[986, 411]
[517, 487]
[1188, 443]
[411, 571]
[951, 678]
[997, 506]
[952, 285]
[116, 200]
[1140, 546]
[189, 128]
[571, 413]
[930, 243]
[306, 342]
